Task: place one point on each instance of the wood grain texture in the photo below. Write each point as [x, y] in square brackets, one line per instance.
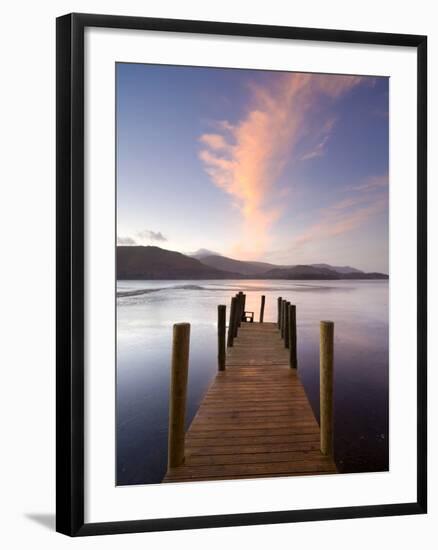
[232, 322]
[178, 393]
[293, 336]
[255, 420]
[262, 309]
[221, 330]
[326, 386]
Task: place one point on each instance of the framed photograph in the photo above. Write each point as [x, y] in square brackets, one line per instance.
[241, 274]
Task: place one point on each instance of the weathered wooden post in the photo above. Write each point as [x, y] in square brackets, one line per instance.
[237, 315]
[279, 311]
[286, 326]
[239, 297]
[178, 393]
[242, 313]
[232, 322]
[221, 316]
[293, 336]
[326, 386]
[283, 317]
[262, 309]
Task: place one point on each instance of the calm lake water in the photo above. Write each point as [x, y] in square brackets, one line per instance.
[146, 311]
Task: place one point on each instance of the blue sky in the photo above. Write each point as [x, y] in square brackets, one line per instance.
[289, 168]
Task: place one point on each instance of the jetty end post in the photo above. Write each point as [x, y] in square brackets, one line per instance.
[237, 314]
[232, 322]
[326, 386]
[293, 336]
[262, 309]
[239, 296]
[283, 317]
[242, 314]
[279, 311]
[221, 321]
[178, 394]
[286, 326]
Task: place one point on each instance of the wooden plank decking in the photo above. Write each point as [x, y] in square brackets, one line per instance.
[255, 420]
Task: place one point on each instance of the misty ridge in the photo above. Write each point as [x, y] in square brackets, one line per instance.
[153, 262]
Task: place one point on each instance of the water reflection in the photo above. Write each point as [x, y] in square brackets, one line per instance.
[146, 311]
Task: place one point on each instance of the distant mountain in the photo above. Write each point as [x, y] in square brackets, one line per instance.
[302, 272]
[361, 275]
[153, 262]
[321, 273]
[339, 269]
[244, 268]
[202, 253]
[267, 270]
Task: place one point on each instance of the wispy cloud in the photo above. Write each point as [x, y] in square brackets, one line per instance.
[141, 237]
[318, 151]
[214, 141]
[246, 159]
[368, 199]
[322, 137]
[149, 235]
[126, 241]
[371, 184]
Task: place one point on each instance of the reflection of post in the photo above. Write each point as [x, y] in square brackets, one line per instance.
[279, 312]
[326, 386]
[286, 326]
[221, 316]
[232, 322]
[262, 309]
[293, 336]
[178, 393]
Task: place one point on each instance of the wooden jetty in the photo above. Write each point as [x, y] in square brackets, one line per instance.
[255, 420]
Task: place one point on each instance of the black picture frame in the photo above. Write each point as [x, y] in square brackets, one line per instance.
[70, 273]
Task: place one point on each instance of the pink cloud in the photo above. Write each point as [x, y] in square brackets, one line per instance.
[341, 217]
[214, 141]
[372, 184]
[318, 151]
[246, 159]
[322, 135]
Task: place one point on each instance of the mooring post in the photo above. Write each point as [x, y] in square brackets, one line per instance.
[232, 322]
[281, 314]
[286, 326]
[178, 393]
[283, 318]
[237, 310]
[243, 306]
[279, 311]
[326, 386]
[262, 309]
[221, 316]
[293, 336]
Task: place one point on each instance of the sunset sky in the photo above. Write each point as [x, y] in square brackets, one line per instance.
[288, 168]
